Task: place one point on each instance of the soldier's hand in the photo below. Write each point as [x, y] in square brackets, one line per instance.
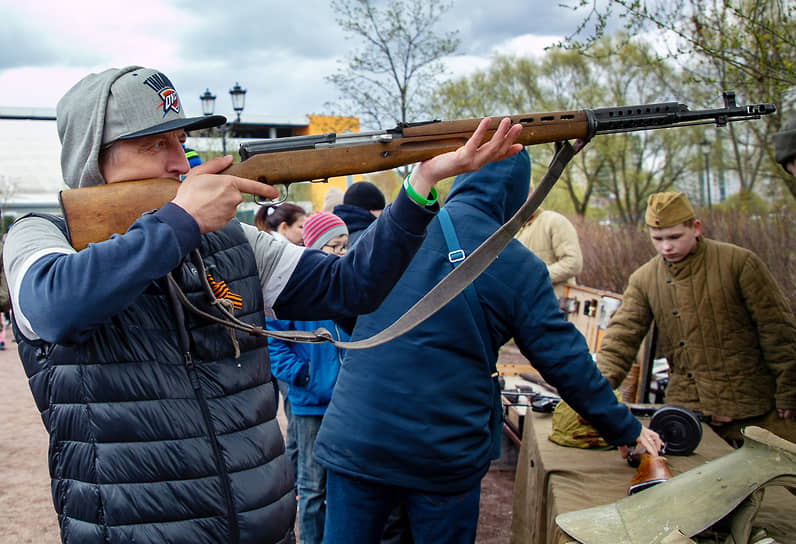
[212, 199]
[649, 440]
[468, 158]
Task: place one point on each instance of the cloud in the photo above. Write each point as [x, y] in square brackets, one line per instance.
[237, 31]
[485, 25]
[26, 42]
[279, 51]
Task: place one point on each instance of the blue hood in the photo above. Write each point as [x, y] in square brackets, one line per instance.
[416, 412]
[498, 189]
[354, 217]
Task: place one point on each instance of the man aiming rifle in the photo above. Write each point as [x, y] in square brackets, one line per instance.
[162, 424]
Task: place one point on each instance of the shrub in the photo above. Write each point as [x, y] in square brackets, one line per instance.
[612, 252]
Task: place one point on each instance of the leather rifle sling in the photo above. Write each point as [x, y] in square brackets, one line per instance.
[446, 290]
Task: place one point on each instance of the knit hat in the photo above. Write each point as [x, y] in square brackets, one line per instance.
[785, 143]
[332, 198]
[667, 210]
[321, 227]
[569, 429]
[364, 195]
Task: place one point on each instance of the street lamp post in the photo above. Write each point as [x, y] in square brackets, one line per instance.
[705, 145]
[208, 102]
[238, 96]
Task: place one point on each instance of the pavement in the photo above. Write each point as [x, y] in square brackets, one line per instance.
[28, 514]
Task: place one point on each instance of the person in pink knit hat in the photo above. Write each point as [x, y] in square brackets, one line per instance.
[310, 370]
[325, 230]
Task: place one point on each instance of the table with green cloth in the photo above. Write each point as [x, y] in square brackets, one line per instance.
[552, 479]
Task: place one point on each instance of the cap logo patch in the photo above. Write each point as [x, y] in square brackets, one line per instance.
[170, 101]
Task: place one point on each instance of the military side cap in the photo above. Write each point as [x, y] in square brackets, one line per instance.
[785, 143]
[667, 210]
[569, 429]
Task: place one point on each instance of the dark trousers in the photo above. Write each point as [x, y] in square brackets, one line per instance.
[357, 510]
[397, 529]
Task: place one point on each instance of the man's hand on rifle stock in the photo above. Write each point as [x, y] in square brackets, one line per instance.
[468, 158]
[648, 441]
[212, 199]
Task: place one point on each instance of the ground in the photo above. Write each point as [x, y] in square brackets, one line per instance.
[28, 515]
[494, 523]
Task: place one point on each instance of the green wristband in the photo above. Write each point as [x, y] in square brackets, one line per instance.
[416, 197]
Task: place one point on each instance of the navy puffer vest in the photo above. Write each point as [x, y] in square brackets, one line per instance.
[150, 444]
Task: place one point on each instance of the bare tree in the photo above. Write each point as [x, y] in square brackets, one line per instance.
[747, 46]
[389, 78]
[623, 168]
[8, 187]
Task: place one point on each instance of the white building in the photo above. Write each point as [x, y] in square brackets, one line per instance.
[30, 169]
[30, 172]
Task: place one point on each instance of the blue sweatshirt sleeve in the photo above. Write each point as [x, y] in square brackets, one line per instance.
[561, 355]
[64, 295]
[325, 286]
[286, 364]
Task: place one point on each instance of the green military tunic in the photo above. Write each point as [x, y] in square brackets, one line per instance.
[724, 326]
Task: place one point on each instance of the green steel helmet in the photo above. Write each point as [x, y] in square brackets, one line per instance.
[570, 429]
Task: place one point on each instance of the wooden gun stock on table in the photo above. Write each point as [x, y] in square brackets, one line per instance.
[651, 471]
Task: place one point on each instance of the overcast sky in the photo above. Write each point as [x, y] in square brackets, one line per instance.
[280, 51]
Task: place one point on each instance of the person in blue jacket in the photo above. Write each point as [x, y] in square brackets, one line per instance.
[161, 414]
[193, 157]
[310, 370]
[362, 204]
[412, 420]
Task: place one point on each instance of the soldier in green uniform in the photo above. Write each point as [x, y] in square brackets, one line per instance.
[724, 326]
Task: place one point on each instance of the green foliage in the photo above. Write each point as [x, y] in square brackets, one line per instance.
[751, 41]
[508, 85]
[622, 168]
[300, 192]
[745, 203]
[558, 200]
[748, 46]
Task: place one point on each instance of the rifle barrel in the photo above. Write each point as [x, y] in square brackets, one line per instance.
[671, 114]
[439, 136]
[93, 213]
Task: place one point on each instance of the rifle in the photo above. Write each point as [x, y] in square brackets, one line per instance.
[93, 214]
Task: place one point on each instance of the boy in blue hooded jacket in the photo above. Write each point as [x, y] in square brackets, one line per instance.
[412, 420]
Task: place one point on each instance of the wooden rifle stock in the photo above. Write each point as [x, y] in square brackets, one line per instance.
[93, 214]
[651, 471]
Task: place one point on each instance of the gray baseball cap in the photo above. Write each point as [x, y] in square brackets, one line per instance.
[143, 102]
[117, 104]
